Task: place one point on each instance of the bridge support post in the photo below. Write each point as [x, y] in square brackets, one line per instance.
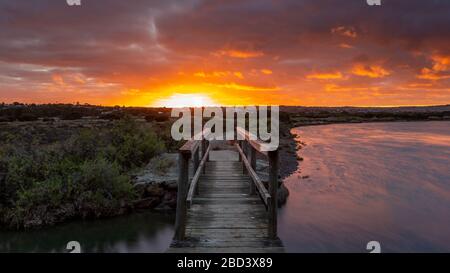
[252, 154]
[204, 147]
[245, 150]
[183, 179]
[239, 142]
[273, 191]
[196, 159]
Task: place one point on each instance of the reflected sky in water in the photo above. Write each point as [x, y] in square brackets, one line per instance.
[388, 182]
[137, 233]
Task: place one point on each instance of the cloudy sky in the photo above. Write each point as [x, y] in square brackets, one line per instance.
[168, 52]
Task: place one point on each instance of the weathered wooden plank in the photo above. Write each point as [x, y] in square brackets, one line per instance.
[228, 244]
[224, 234]
[258, 183]
[224, 217]
[199, 169]
[227, 201]
[252, 140]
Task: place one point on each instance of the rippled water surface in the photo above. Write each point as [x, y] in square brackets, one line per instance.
[388, 182]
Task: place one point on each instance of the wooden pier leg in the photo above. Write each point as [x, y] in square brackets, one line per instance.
[245, 150]
[183, 179]
[239, 142]
[207, 146]
[273, 188]
[203, 153]
[253, 164]
[196, 164]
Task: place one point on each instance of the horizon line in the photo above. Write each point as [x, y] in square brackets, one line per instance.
[304, 106]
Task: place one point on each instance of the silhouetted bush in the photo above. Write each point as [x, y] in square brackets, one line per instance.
[158, 117]
[27, 117]
[71, 116]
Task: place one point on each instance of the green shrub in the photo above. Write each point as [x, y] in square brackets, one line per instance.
[84, 176]
[132, 145]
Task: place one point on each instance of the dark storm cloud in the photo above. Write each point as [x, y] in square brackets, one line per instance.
[133, 42]
[99, 37]
[295, 28]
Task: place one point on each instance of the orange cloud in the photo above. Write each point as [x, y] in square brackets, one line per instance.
[441, 65]
[239, 75]
[78, 78]
[345, 31]
[244, 87]
[429, 74]
[218, 74]
[344, 45]
[267, 71]
[418, 85]
[325, 76]
[58, 79]
[240, 54]
[338, 88]
[374, 71]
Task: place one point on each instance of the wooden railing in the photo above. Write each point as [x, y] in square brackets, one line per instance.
[248, 149]
[191, 149]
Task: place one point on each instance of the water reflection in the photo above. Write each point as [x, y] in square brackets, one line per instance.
[140, 232]
[388, 182]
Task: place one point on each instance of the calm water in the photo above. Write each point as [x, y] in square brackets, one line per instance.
[140, 232]
[388, 182]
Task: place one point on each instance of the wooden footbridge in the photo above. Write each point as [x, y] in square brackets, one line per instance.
[225, 207]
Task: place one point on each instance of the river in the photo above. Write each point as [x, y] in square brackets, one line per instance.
[384, 182]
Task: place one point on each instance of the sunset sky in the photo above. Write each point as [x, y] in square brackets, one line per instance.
[227, 52]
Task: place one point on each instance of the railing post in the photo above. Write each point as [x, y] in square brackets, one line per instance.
[203, 152]
[273, 188]
[245, 150]
[196, 164]
[183, 179]
[239, 142]
[207, 146]
[252, 156]
[196, 160]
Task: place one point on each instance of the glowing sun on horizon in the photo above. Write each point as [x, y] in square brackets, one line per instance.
[185, 100]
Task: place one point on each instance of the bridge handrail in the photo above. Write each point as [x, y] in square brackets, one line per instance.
[191, 149]
[191, 146]
[247, 150]
[194, 182]
[263, 193]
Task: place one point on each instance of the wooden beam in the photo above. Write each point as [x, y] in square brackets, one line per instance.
[253, 165]
[273, 188]
[250, 138]
[191, 146]
[258, 183]
[196, 177]
[183, 179]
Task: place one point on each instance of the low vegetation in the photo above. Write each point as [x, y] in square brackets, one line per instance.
[47, 176]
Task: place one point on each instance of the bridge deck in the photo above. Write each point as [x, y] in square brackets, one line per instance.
[224, 217]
